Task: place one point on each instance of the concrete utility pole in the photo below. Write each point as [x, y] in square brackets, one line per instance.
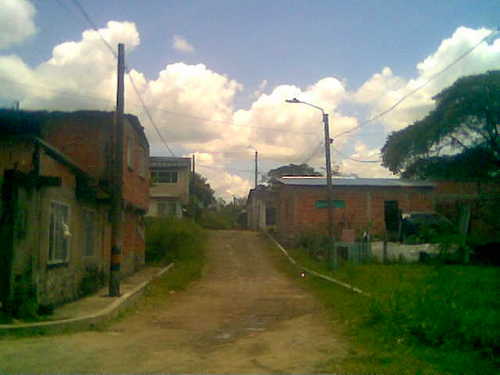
[256, 167]
[194, 164]
[329, 185]
[117, 199]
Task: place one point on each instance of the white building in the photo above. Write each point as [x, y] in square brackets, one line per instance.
[169, 185]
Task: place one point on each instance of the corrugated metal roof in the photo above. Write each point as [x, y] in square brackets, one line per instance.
[339, 181]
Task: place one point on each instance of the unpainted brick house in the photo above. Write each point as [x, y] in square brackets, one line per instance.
[55, 174]
[361, 204]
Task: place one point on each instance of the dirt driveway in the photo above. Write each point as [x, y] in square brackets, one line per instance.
[242, 316]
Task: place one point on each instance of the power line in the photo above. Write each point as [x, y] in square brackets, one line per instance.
[433, 77]
[148, 114]
[356, 160]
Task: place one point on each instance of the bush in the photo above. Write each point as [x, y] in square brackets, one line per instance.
[217, 220]
[171, 239]
[315, 243]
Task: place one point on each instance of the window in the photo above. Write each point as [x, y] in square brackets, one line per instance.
[162, 209]
[59, 233]
[165, 176]
[167, 209]
[89, 232]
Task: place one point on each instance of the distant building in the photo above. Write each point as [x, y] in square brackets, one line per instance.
[261, 208]
[169, 189]
[373, 205]
[56, 179]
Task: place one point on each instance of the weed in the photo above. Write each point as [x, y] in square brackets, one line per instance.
[441, 319]
[171, 239]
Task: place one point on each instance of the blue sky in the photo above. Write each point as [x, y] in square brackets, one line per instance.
[273, 47]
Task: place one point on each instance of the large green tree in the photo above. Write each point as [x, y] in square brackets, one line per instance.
[459, 139]
[201, 193]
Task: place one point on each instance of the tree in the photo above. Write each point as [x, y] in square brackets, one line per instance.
[457, 140]
[201, 195]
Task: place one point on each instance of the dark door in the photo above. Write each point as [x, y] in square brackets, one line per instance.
[392, 219]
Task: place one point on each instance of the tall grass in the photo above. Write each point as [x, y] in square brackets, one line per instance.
[172, 240]
[453, 307]
[444, 315]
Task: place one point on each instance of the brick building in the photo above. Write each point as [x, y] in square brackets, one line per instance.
[362, 204]
[55, 170]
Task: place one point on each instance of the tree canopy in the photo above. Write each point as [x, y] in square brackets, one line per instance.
[459, 139]
[201, 192]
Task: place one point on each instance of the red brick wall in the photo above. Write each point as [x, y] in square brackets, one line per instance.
[88, 142]
[364, 208]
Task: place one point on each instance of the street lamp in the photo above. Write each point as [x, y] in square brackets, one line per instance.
[256, 164]
[328, 141]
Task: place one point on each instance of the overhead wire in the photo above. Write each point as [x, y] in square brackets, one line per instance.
[412, 92]
[146, 109]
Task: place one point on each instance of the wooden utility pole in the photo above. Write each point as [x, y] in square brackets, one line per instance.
[117, 199]
[256, 167]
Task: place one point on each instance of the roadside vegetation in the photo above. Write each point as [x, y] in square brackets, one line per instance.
[179, 241]
[427, 319]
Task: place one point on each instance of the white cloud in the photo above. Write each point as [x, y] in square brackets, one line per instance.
[362, 152]
[193, 106]
[384, 89]
[16, 22]
[179, 43]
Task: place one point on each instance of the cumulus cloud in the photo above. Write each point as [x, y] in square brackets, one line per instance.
[193, 106]
[181, 44]
[352, 165]
[16, 22]
[79, 75]
[384, 89]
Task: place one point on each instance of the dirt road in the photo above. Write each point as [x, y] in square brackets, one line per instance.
[242, 316]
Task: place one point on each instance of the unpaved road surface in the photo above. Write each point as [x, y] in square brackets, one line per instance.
[242, 316]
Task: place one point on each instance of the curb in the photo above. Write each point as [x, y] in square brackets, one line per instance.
[317, 274]
[87, 321]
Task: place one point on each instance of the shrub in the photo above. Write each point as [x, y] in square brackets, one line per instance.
[171, 239]
[216, 220]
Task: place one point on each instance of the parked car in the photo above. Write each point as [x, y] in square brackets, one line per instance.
[424, 225]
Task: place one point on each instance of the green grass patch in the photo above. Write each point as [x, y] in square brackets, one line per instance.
[420, 319]
[172, 240]
[180, 241]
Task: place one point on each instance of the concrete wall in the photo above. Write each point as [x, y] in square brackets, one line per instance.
[178, 190]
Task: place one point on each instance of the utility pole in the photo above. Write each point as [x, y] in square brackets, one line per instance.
[329, 188]
[117, 199]
[256, 167]
[194, 164]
